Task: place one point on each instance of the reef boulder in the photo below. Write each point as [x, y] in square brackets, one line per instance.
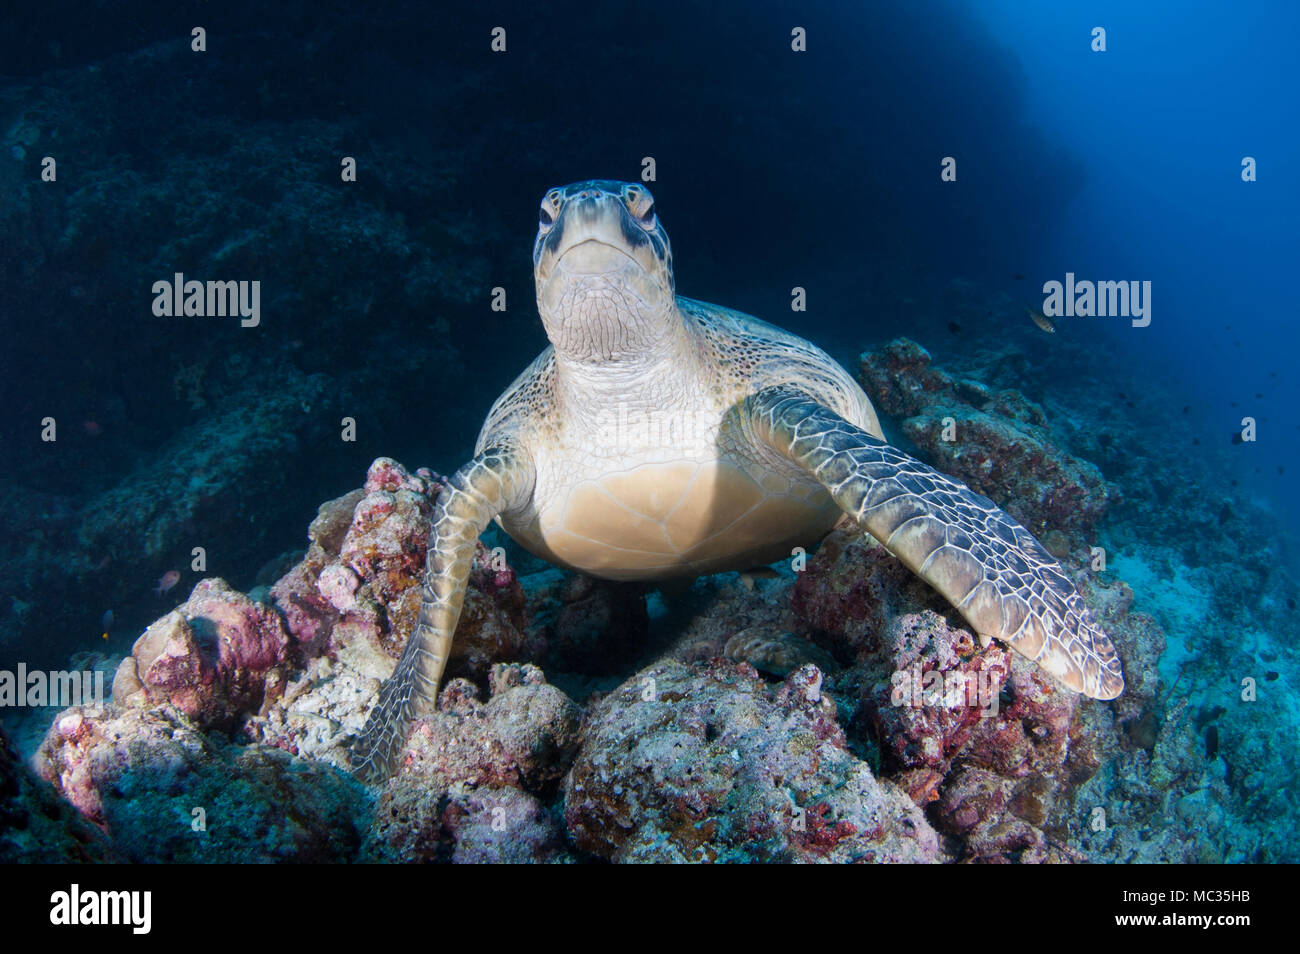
[39, 826]
[707, 762]
[216, 657]
[997, 441]
[356, 592]
[476, 777]
[978, 736]
[164, 792]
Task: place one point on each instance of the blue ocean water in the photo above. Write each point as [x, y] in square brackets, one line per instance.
[821, 168]
[1162, 122]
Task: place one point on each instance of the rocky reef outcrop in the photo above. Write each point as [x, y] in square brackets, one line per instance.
[709, 763]
[996, 440]
[216, 658]
[37, 825]
[479, 778]
[161, 790]
[980, 737]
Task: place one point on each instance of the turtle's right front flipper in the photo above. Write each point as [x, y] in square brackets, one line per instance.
[1002, 580]
[497, 480]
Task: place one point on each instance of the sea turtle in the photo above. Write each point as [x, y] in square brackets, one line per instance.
[662, 437]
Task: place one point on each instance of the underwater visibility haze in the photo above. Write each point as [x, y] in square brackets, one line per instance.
[659, 433]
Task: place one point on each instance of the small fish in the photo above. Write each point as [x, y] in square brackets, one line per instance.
[1236, 437]
[1211, 742]
[167, 581]
[1144, 731]
[1041, 320]
[1272, 675]
[1290, 603]
[954, 327]
[92, 428]
[1187, 408]
[1208, 715]
[747, 577]
[106, 621]
[1018, 277]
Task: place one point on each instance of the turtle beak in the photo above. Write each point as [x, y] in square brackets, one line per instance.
[592, 256]
[594, 234]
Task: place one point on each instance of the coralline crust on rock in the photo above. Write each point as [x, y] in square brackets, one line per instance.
[357, 589]
[216, 657]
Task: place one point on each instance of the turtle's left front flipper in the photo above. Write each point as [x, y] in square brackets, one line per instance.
[988, 566]
[495, 481]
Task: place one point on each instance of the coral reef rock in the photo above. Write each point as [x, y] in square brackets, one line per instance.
[164, 792]
[998, 441]
[989, 745]
[37, 825]
[216, 657]
[709, 763]
[475, 775]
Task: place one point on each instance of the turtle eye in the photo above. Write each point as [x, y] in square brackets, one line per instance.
[641, 205]
[549, 210]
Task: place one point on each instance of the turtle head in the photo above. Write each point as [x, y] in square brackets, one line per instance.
[604, 271]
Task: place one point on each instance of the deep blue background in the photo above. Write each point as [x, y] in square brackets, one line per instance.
[1161, 122]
